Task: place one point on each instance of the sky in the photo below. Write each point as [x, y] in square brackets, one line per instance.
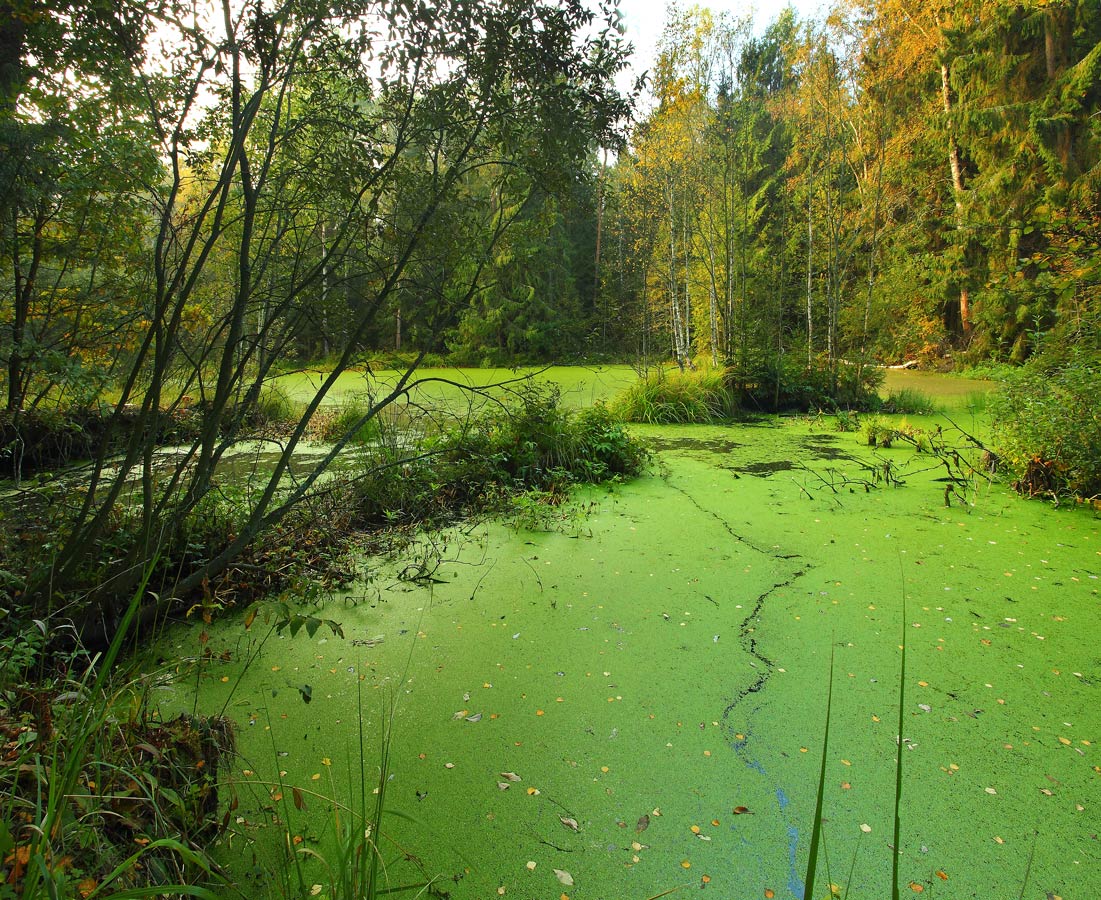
[645, 19]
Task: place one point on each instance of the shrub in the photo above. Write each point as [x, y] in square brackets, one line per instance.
[847, 420]
[877, 432]
[332, 425]
[528, 443]
[273, 407]
[786, 383]
[1046, 427]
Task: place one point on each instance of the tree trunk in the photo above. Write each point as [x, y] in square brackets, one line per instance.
[957, 192]
[810, 280]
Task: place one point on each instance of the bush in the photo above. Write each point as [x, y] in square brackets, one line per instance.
[529, 443]
[677, 398]
[1046, 428]
[788, 384]
[331, 425]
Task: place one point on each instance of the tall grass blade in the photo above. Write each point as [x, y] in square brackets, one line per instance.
[895, 845]
[816, 831]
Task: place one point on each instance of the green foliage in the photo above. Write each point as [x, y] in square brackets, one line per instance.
[786, 383]
[877, 432]
[347, 420]
[527, 443]
[1046, 428]
[100, 799]
[909, 401]
[677, 398]
[272, 408]
[846, 420]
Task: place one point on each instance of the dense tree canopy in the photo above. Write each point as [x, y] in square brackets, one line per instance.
[902, 179]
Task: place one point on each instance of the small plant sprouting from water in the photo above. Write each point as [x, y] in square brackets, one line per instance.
[877, 431]
[847, 420]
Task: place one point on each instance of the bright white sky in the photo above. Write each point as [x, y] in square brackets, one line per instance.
[645, 19]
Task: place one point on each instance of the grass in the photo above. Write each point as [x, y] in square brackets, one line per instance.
[677, 398]
[911, 402]
[816, 828]
[76, 806]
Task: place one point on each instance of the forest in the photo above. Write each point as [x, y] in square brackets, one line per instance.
[899, 182]
[312, 312]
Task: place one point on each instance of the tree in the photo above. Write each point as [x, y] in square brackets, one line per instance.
[255, 220]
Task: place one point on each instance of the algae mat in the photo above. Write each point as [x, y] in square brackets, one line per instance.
[635, 703]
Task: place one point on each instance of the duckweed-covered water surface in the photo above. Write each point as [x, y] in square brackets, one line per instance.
[631, 701]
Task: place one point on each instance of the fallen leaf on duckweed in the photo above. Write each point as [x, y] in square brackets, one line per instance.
[941, 875]
[299, 800]
[741, 810]
[916, 888]
[477, 717]
[533, 792]
[990, 790]
[769, 893]
[503, 785]
[866, 828]
[643, 824]
[531, 865]
[511, 776]
[569, 823]
[565, 877]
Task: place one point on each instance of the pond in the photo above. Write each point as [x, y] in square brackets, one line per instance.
[630, 700]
